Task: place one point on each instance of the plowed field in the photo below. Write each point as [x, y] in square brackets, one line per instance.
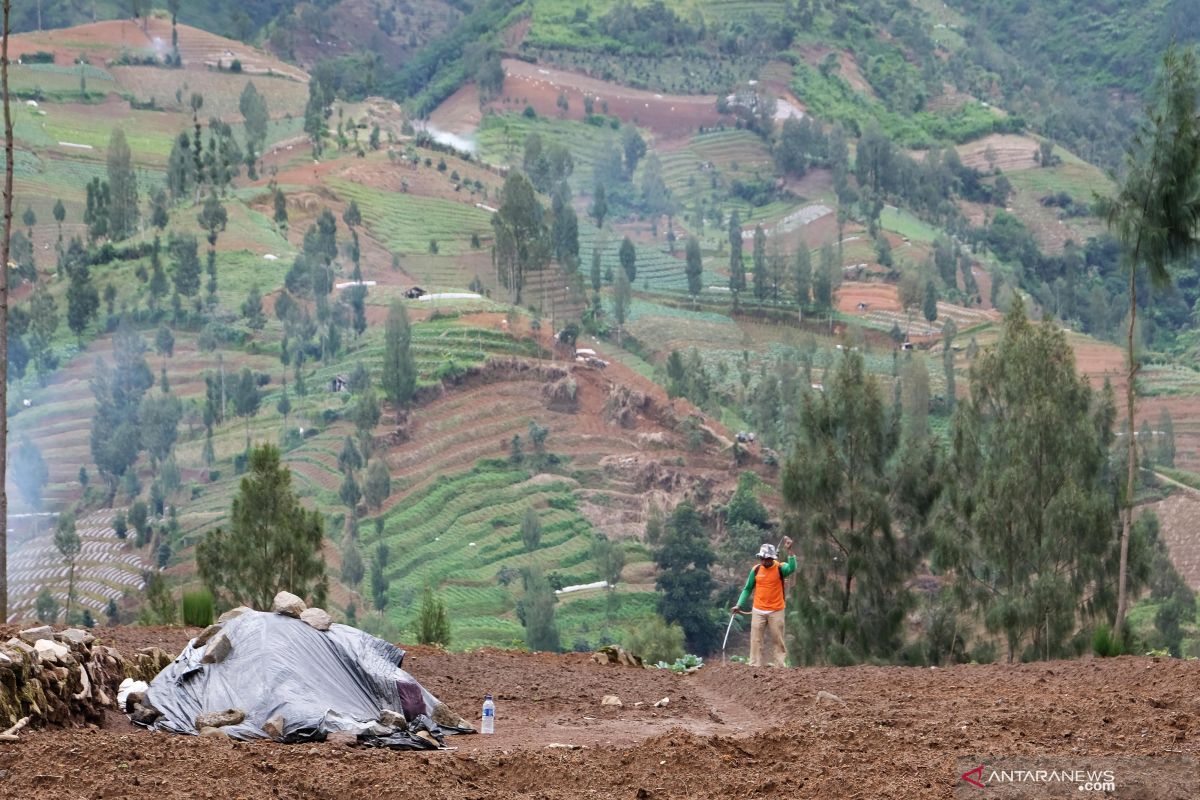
[728, 731]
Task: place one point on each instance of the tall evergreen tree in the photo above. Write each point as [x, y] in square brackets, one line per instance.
[760, 263]
[685, 583]
[272, 544]
[694, 265]
[378, 484]
[399, 368]
[737, 269]
[522, 238]
[1156, 216]
[851, 588]
[1025, 528]
[536, 612]
[802, 276]
[627, 254]
[69, 545]
[186, 275]
[115, 434]
[122, 188]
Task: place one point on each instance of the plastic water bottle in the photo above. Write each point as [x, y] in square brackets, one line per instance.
[488, 725]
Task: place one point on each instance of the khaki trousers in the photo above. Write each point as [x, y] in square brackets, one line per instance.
[772, 623]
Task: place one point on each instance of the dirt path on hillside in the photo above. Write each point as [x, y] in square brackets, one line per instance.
[727, 731]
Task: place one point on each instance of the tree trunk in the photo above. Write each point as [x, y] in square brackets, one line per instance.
[1127, 512]
[4, 252]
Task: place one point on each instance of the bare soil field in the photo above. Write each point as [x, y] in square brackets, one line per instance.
[1010, 151]
[101, 41]
[727, 731]
[1179, 516]
[666, 115]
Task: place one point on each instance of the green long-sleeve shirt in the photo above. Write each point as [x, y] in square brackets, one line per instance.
[785, 568]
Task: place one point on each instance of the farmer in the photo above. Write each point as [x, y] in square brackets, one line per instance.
[765, 585]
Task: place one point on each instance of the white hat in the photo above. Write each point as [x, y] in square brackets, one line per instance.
[766, 551]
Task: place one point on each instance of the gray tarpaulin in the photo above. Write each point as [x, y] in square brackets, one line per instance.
[318, 681]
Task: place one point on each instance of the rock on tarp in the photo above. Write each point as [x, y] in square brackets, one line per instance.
[319, 682]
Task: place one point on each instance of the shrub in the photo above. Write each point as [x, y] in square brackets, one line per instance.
[433, 625]
[1104, 644]
[656, 640]
[198, 610]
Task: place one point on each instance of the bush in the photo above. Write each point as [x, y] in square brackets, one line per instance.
[1104, 644]
[655, 641]
[839, 655]
[433, 625]
[198, 609]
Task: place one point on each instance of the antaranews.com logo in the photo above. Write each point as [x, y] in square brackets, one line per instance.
[1174, 778]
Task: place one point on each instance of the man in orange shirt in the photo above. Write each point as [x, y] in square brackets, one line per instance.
[765, 585]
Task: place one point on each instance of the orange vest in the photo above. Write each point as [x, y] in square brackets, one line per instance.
[768, 588]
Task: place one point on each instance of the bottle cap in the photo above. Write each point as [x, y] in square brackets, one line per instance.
[487, 697]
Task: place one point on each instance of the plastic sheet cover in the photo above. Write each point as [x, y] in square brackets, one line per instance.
[318, 681]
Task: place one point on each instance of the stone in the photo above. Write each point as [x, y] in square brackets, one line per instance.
[663, 703]
[214, 733]
[219, 719]
[443, 716]
[4, 659]
[233, 613]
[615, 654]
[217, 649]
[133, 700]
[144, 714]
[205, 635]
[288, 604]
[20, 646]
[393, 718]
[31, 635]
[274, 727]
[317, 618]
[50, 650]
[611, 700]
[829, 697]
[343, 738]
[75, 636]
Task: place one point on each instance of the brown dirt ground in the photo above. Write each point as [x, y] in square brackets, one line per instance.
[729, 731]
[665, 114]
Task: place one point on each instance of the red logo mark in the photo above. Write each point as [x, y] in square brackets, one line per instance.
[978, 773]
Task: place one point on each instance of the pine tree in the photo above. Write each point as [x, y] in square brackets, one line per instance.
[684, 582]
[281, 212]
[159, 216]
[83, 301]
[620, 302]
[186, 275]
[929, 305]
[272, 543]
[695, 266]
[1154, 216]
[802, 276]
[378, 484]
[835, 486]
[531, 530]
[1024, 530]
[122, 188]
[599, 208]
[595, 272]
[737, 269]
[522, 237]
[1165, 436]
[69, 545]
[627, 254]
[399, 369]
[536, 612]
[760, 263]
